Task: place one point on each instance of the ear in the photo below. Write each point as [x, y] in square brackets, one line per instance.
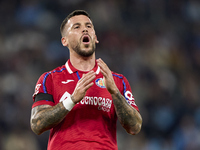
[96, 41]
[64, 41]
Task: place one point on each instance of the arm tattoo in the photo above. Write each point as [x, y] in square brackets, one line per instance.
[127, 115]
[45, 117]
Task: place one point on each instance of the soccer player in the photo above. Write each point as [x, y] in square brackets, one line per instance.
[81, 101]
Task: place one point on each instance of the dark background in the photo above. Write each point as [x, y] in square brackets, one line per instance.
[154, 43]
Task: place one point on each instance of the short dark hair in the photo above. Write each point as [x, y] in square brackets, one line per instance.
[72, 14]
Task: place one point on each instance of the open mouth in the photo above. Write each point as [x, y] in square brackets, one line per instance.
[86, 39]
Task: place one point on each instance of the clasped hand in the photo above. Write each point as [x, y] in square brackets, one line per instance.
[86, 82]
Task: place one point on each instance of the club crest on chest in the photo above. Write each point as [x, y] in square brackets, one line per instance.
[100, 83]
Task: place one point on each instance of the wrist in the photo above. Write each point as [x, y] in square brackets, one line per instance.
[114, 92]
[68, 103]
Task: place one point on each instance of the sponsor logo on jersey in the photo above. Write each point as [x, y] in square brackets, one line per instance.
[99, 82]
[103, 104]
[130, 99]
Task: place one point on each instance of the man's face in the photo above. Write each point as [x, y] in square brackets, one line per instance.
[79, 35]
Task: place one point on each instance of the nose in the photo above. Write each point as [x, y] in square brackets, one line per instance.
[85, 30]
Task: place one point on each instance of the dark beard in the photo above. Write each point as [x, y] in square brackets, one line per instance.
[83, 53]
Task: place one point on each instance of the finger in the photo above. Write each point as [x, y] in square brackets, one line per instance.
[87, 78]
[101, 62]
[87, 75]
[104, 68]
[89, 85]
[104, 73]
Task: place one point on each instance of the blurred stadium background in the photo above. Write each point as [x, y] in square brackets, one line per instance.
[154, 43]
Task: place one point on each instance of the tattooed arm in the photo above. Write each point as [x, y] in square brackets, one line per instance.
[45, 117]
[128, 116]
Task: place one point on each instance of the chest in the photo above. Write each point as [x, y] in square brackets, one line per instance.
[96, 96]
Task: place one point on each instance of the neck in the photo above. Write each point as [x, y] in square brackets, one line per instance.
[83, 63]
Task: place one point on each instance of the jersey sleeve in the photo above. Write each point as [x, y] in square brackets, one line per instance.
[44, 86]
[127, 93]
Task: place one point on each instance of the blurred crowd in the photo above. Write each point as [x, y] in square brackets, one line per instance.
[154, 43]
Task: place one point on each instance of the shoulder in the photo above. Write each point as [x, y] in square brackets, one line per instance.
[49, 75]
[54, 71]
[117, 75]
[59, 69]
[120, 78]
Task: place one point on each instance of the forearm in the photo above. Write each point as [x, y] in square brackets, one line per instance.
[45, 117]
[128, 116]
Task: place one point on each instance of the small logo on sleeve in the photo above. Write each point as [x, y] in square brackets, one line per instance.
[37, 87]
[99, 82]
[130, 98]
